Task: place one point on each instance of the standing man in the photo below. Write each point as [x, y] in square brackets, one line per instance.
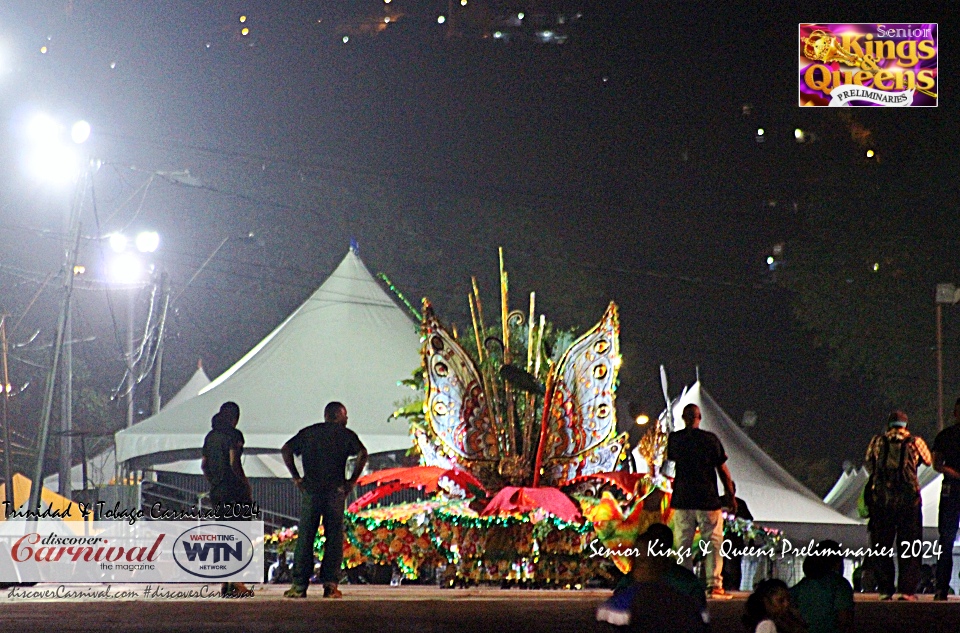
[325, 448]
[221, 465]
[895, 509]
[698, 458]
[946, 460]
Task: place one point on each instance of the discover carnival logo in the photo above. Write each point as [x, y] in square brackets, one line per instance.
[213, 551]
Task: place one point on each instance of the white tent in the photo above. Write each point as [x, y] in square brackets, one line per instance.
[773, 496]
[845, 493]
[102, 468]
[197, 383]
[348, 342]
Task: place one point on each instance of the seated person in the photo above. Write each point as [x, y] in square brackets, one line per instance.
[824, 597]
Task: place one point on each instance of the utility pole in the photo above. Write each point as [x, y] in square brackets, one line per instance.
[131, 381]
[66, 412]
[947, 294]
[158, 361]
[68, 272]
[37, 482]
[7, 446]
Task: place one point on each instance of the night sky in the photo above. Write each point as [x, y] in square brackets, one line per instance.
[621, 164]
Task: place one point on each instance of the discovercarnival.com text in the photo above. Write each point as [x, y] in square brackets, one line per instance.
[148, 592]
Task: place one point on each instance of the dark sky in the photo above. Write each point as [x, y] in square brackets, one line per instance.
[628, 146]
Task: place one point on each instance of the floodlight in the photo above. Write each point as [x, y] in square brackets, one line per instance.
[118, 242]
[147, 241]
[125, 268]
[80, 132]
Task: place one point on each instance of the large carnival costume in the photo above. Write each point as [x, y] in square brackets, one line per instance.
[521, 466]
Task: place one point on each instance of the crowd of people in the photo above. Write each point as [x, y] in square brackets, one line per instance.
[822, 601]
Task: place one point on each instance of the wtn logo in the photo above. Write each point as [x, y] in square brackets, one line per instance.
[213, 551]
[221, 551]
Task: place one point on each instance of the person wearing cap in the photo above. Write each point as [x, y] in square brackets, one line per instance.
[946, 460]
[894, 500]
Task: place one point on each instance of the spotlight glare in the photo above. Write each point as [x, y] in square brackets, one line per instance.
[43, 128]
[125, 268]
[760, 132]
[870, 153]
[80, 132]
[441, 19]
[147, 241]
[118, 242]
[643, 419]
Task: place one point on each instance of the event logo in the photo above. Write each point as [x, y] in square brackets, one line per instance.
[868, 65]
[213, 551]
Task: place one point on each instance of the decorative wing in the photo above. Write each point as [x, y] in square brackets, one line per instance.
[459, 422]
[582, 421]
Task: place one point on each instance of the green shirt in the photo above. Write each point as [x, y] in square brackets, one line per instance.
[820, 601]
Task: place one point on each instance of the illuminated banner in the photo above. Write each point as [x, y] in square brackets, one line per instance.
[864, 65]
[118, 552]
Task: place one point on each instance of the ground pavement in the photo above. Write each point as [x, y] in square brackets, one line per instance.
[413, 609]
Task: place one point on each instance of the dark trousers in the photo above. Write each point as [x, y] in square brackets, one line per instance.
[898, 528]
[327, 505]
[947, 522]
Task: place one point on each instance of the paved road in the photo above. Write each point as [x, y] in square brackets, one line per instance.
[409, 609]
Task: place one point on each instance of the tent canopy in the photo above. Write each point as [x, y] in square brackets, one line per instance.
[348, 342]
[845, 493]
[775, 498]
[102, 468]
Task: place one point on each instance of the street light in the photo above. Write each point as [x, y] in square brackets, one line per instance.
[947, 294]
[127, 268]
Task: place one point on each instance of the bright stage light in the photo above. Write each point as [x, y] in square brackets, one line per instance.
[118, 242]
[643, 419]
[80, 132]
[147, 241]
[43, 129]
[53, 165]
[125, 268]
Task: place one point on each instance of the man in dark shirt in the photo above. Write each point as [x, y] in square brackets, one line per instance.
[946, 460]
[698, 458]
[221, 465]
[324, 448]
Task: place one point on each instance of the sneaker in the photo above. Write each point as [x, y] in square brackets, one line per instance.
[295, 592]
[908, 597]
[717, 593]
[330, 590]
[940, 596]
